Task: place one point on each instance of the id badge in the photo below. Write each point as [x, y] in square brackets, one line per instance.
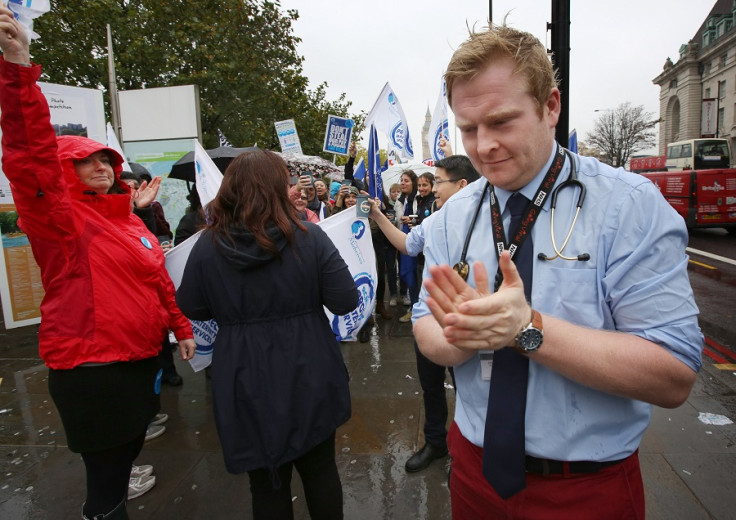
[486, 365]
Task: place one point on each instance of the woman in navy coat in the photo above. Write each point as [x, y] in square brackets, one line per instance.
[280, 385]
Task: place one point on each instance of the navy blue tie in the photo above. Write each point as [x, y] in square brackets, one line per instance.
[503, 444]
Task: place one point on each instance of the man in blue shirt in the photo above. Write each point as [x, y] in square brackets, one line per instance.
[607, 334]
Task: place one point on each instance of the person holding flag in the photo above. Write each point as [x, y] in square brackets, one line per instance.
[108, 301]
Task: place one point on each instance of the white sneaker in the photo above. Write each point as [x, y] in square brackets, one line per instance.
[392, 302]
[405, 300]
[137, 486]
[141, 471]
[160, 418]
[405, 318]
[154, 430]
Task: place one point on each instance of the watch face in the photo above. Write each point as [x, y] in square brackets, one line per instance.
[530, 340]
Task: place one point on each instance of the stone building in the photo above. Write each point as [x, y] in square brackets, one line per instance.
[705, 69]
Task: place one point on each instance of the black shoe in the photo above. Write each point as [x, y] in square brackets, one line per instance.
[364, 334]
[172, 379]
[424, 457]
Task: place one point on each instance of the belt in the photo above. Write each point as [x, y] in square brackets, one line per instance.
[559, 467]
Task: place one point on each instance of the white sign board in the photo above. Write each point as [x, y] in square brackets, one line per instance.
[288, 138]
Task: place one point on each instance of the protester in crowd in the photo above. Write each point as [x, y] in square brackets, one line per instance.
[391, 254]
[300, 199]
[279, 382]
[425, 197]
[559, 361]
[108, 300]
[192, 221]
[319, 208]
[163, 229]
[452, 174]
[406, 215]
[323, 195]
[346, 198]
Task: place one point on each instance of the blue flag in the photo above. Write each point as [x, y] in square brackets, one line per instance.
[572, 143]
[375, 182]
[359, 172]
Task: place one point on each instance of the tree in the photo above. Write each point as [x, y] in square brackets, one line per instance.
[242, 54]
[621, 132]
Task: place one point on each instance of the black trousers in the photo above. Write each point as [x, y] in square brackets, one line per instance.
[321, 481]
[432, 380]
[108, 473]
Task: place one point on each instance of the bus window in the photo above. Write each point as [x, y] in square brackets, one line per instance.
[698, 154]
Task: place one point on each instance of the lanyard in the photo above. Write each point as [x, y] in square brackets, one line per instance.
[532, 211]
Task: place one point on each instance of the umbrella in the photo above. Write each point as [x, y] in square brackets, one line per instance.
[393, 174]
[299, 164]
[222, 156]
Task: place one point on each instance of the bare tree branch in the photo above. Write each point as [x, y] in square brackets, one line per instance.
[621, 132]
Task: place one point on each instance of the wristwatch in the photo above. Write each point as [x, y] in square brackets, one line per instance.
[530, 338]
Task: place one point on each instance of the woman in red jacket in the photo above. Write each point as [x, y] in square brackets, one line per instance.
[109, 300]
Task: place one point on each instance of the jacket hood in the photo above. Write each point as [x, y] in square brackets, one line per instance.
[243, 252]
[74, 147]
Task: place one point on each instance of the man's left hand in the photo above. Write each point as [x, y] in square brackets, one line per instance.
[476, 319]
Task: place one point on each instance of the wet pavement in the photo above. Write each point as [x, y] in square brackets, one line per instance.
[689, 466]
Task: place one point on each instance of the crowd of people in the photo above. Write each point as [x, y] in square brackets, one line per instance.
[556, 362]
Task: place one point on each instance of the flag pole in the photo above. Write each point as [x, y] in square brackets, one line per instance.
[114, 105]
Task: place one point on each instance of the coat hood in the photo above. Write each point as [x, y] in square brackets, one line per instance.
[243, 252]
[74, 147]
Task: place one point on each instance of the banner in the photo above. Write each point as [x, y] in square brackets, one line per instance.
[204, 331]
[112, 142]
[338, 134]
[375, 183]
[207, 176]
[288, 138]
[439, 126]
[708, 118]
[388, 117]
[352, 238]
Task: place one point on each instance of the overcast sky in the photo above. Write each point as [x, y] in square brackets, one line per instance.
[617, 48]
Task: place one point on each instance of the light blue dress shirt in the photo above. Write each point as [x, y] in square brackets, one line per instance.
[635, 282]
[415, 237]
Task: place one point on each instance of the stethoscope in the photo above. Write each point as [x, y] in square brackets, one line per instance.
[572, 181]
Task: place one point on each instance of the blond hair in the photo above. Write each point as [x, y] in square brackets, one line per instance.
[498, 43]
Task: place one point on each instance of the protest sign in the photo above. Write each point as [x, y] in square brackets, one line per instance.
[338, 134]
[288, 138]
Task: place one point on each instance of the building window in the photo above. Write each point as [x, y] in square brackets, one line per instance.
[723, 61]
[707, 93]
[721, 117]
[673, 83]
[722, 89]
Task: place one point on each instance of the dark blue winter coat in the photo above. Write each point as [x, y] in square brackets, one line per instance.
[279, 382]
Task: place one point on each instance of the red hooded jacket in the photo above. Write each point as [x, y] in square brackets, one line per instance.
[108, 295]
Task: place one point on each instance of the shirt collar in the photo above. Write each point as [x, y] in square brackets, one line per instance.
[531, 188]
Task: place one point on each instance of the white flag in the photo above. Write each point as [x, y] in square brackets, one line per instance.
[112, 142]
[439, 125]
[352, 238]
[206, 174]
[388, 117]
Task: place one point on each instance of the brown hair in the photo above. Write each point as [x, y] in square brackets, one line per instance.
[254, 194]
[501, 42]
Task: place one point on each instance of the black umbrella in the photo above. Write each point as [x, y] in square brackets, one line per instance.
[222, 156]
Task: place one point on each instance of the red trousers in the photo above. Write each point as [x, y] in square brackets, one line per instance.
[615, 492]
